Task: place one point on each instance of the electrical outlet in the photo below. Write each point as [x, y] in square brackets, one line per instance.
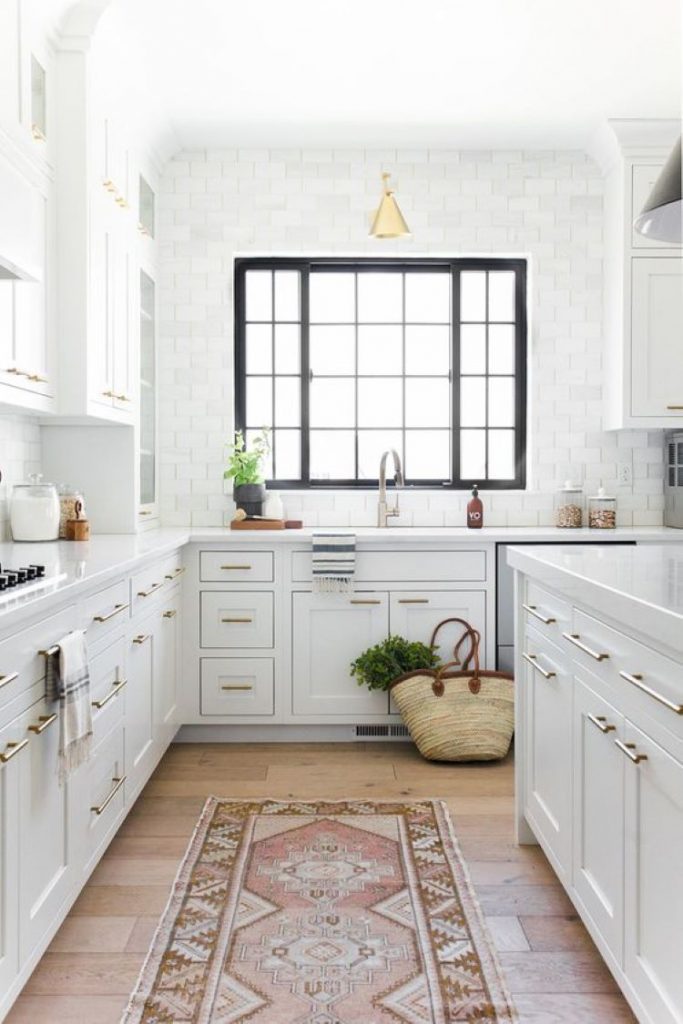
[625, 474]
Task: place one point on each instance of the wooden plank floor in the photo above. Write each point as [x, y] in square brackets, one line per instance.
[552, 967]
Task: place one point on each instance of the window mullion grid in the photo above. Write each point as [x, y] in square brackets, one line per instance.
[404, 374]
[272, 370]
[355, 386]
[487, 433]
[455, 376]
[305, 447]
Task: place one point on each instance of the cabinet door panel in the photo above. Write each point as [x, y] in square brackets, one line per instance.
[598, 874]
[14, 732]
[140, 738]
[330, 631]
[656, 331]
[101, 376]
[654, 895]
[167, 663]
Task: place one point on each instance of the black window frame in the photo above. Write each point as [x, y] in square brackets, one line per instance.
[455, 265]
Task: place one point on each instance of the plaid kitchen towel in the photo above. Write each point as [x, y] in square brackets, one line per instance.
[334, 562]
[68, 681]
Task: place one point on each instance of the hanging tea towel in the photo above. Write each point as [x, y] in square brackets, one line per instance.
[334, 562]
[68, 681]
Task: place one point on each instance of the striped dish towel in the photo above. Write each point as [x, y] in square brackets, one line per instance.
[68, 681]
[334, 562]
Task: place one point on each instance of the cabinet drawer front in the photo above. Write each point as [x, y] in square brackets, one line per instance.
[153, 582]
[21, 664]
[236, 566]
[107, 694]
[104, 792]
[106, 611]
[237, 686]
[401, 565]
[236, 619]
[545, 611]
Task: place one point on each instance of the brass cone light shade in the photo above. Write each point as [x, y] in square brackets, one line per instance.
[662, 215]
[389, 222]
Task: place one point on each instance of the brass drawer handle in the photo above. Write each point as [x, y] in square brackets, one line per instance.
[11, 750]
[146, 593]
[145, 512]
[108, 394]
[629, 750]
[244, 567]
[44, 722]
[676, 408]
[637, 680]
[122, 398]
[574, 639]
[141, 638]
[118, 782]
[237, 620]
[359, 601]
[532, 610]
[601, 723]
[176, 572]
[171, 614]
[4, 680]
[36, 378]
[532, 659]
[237, 686]
[110, 696]
[413, 600]
[118, 608]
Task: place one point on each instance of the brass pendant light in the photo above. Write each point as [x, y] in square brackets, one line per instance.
[389, 222]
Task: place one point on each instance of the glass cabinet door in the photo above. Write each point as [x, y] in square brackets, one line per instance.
[148, 409]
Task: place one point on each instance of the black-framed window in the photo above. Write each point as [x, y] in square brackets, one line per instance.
[344, 358]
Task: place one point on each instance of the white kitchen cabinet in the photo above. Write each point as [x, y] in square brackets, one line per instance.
[167, 652]
[13, 732]
[329, 632]
[416, 614]
[140, 738]
[653, 925]
[236, 619]
[598, 835]
[656, 333]
[236, 686]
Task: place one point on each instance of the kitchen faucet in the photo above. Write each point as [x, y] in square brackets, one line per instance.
[384, 513]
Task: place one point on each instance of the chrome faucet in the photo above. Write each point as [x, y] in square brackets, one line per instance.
[384, 513]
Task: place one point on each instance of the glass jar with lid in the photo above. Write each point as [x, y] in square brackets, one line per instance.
[602, 511]
[569, 506]
[69, 498]
[34, 511]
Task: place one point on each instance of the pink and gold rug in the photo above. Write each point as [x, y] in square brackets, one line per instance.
[349, 912]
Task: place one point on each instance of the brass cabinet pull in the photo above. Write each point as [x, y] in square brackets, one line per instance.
[175, 573]
[236, 567]
[118, 782]
[108, 394]
[413, 600]
[4, 680]
[146, 593]
[11, 750]
[532, 610]
[16, 371]
[118, 608]
[629, 750]
[36, 378]
[365, 601]
[38, 133]
[237, 686]
[637, 680]
[110, 696]
[141, 638]
[122, 398]
[676, 408]
[237, 620]
[532, 659]
[145, 512]
[44, 722]
[574, 639]
[601, 723]
[171, 614]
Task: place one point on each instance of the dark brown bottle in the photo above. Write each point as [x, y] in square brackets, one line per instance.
[475, 510]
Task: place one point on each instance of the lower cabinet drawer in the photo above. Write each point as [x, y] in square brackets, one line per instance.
[107, 689]
[104, 791]
[236, 566]
[21, 664]
[106, 610]
[236, 619]
[391, 566]
[237, 686]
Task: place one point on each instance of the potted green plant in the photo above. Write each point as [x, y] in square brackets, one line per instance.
[245, 469]
[380, 665]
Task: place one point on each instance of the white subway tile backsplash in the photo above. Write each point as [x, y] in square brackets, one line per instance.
[20, 455]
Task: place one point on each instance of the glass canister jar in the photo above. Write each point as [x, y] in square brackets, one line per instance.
[69, 497]
[569, 506]
[34, 511]
[602, 511]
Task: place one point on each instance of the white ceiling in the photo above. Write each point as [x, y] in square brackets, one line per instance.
[363, 72]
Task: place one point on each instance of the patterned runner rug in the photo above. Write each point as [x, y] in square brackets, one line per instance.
[322, 912]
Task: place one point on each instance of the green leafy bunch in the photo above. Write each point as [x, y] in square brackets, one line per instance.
[377, 667]
[245, 465]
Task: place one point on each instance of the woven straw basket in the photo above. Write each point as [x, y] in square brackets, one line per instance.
[465, 715]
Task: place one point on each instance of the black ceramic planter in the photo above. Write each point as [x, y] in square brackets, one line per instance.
[250, 497]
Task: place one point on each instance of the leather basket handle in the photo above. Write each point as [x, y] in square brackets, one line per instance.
[438, 685]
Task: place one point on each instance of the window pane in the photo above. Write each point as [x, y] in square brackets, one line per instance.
[287, 454]
[473, 348]
[380, 402]
[428, 298]
[259, 295]
[259, 402]
[332, 455]
[380, 350]
[473, 402]
[380, 298]
[332, 298]
[332, 403]
[473, 295]
[371, 446]
[428, 350]
[502, 295]
[473, 454]
[287, 295]
[501, 402]
[287, 358]
[501, 348]
[428, 455]
[287, 401]
[428, 403]
[501, 454]
[250, 437]
[332, 350]
[259, 348]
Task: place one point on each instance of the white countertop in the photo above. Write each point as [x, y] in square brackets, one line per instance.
[640, 588]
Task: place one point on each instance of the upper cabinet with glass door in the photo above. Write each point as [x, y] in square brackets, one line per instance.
[26, 77]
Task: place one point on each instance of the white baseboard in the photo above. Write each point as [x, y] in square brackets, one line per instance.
[277, 734]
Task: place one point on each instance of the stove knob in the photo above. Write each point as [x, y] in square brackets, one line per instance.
[22, 575]
[40, 570]
[12, 578]
[3, 582]
[30, 571]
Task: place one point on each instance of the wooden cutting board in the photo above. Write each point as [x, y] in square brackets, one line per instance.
[257, 524]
